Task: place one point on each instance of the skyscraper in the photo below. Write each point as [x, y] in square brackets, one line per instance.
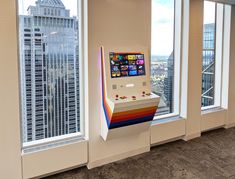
[49, 71]
[168, 83]
[208, 65]
[162, 79]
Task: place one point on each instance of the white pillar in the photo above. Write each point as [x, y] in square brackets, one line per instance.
[10, 145]
[230, 122]
[192, 43]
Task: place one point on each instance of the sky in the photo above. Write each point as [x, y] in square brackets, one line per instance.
[69, 4]
[162, 21]
[209, 12]
[163, 25]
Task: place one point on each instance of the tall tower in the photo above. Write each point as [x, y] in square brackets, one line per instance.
[49, 71]
[169, 82]
[208, 65]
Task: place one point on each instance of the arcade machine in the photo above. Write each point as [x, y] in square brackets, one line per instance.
[128, 106]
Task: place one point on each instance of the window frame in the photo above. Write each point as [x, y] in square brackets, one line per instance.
[177, 62]
[218, 45]
[82, 135]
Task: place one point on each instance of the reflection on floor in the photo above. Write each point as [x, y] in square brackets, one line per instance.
[211, 156]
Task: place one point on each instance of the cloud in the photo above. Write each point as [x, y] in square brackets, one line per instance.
[209, 12]
[162, 27]
[162, 12]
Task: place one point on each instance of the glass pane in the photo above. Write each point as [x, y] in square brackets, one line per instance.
[208, 63]
[49, 62]
[162, 57]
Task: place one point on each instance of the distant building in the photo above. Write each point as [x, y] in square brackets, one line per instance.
[49, 71]
[168, 83]
[165, 89]
[208, 65]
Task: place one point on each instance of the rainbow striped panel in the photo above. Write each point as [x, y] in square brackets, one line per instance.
[124, 118]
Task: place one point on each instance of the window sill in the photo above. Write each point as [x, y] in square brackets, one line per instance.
[211, 109]
[165, 119]
[50, 143]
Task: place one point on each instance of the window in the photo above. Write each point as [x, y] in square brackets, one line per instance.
[166, 15]
[212, 54]
[49, 63]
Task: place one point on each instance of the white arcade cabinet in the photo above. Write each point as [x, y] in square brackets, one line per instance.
[128, 106]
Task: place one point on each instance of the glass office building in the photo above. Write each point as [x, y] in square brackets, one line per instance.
[49, 71]
[208, 65]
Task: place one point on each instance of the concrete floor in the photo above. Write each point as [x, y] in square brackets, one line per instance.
[210, 156]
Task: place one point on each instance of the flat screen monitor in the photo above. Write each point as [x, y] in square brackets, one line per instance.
[126, 64]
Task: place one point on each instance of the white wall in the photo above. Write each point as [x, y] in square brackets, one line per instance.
[10, 150]
[191, 66]
[114, 23]
[54, 160]
[231, 93]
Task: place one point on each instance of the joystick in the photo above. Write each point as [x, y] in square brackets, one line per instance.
[143, 93]
[123, 97]
[116, 96]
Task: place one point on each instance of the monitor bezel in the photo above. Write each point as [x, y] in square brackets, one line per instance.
[127, 53]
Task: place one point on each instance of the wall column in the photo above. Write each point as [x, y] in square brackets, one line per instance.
[230, 122]
[192, 42]
[10, 145]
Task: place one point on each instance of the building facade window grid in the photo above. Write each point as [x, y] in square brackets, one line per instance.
[209, 62]
[49, 72]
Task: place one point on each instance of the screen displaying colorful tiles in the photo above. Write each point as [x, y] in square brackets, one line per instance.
[126, 64]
